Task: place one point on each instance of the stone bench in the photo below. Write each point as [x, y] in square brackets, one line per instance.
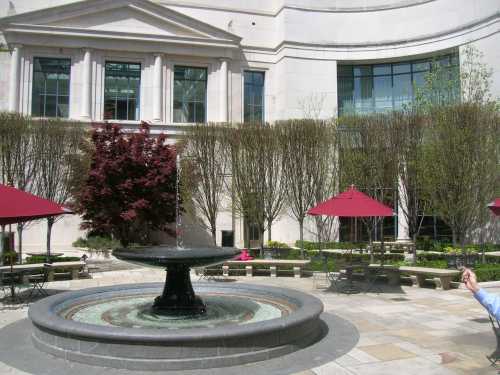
[441, 277]
[74, 269]
[273, 264]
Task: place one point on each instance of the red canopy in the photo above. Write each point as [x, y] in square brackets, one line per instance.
[351, 203]
[17, 206]
[495, 206]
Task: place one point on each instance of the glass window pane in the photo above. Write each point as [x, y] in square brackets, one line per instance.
[345, 70]
[382, 92]
[363, 94]
[109, 109]
[63, 106]
[190, 90]
[401, 68]
[362, 71]
[50, 90]
[122, 90]
[402, 90]
[253, 96]
[50, 106]
[381, 70]
[421, 66]
[383, 87]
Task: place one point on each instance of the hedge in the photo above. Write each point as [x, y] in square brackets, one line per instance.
[309, 245]
[42, 259]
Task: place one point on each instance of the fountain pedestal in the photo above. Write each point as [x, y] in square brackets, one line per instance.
[178, 297]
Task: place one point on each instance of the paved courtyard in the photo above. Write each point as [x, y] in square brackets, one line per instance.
[404, 330]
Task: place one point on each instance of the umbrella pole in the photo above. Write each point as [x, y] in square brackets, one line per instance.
[1, 244]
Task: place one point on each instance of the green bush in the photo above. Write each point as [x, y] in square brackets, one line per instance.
[97, 243]
[487, 272]
[42, 259]
[277, 245]
[9, 256]
[309, 245]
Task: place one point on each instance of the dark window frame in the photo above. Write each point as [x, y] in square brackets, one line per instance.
[44, 94]
[195, 101]
[129, 75]
[253, 106]
[346, 72]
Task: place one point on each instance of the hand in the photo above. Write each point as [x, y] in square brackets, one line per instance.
[470, 280]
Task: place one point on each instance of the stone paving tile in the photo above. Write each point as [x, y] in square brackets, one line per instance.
[431, 332]
[347, 360]
[332, 368]
[412, 366]
[387, 352]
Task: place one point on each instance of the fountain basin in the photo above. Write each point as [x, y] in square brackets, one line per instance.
[178, 296]
[167, 347]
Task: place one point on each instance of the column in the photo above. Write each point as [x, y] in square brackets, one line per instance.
[158, 88]
[223, 91]
[403, 227]
[15, 72]
[87, 85]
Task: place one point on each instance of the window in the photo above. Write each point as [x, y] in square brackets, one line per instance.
[253, 96]
[121, 91]
[386, 87]
[50, 87]
[190, 94]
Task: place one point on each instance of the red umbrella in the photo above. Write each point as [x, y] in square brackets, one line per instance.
[17, 206]
[495, 206]
[351, 203]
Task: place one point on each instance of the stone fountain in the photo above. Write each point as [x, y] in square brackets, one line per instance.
[207, 325]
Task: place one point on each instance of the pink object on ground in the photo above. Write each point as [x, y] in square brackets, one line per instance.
[244, 255]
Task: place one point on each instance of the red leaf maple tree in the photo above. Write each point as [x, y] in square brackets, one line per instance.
[130, 190]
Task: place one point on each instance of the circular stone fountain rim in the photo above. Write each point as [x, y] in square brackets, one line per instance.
[168, 252]
[44, 316]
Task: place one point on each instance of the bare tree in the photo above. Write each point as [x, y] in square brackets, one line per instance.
[368, 159]
[61, 140]
[408, 134]
[307, 171]
[462, 151]
[248, 174]
[206, 162]
[20, 143]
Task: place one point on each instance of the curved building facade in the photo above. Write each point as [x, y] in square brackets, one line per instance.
[176, 62]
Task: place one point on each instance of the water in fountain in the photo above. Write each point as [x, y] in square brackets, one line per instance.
[178, 297]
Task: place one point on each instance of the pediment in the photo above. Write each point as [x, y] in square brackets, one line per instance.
[117, 18]
[126, 19]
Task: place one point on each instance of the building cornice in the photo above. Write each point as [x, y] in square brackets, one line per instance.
[276, 12]
[490, 23]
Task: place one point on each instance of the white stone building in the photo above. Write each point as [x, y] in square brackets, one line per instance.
[175, 62]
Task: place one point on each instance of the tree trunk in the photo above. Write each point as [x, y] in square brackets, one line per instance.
[454, 237]
[414, 250]
[50, 222]
[301, 226]
[261, 240]
[214, 235]
[20, 227]
[269, 225]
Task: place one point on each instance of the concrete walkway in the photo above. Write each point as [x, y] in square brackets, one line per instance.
[403, 330]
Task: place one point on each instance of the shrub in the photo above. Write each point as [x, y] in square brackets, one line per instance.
[487, 272]
[277, 245]
[309, 245]
[53, 259]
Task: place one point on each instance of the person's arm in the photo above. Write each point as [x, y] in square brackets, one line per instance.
[489, 301]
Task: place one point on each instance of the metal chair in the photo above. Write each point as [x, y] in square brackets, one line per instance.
[38, 283]
[495, 356]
